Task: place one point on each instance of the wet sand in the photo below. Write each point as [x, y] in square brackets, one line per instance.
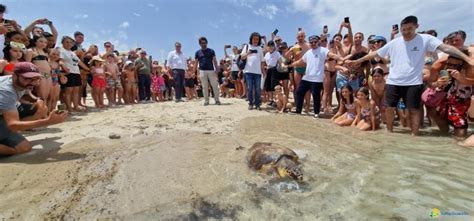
[187, 162]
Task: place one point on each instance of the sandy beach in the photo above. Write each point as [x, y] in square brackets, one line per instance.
[186, 161]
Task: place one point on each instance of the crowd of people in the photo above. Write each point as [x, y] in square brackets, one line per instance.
[385, 81]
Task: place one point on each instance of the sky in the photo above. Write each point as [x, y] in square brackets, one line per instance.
[157, 24]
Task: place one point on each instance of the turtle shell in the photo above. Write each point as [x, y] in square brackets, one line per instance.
[266, 155]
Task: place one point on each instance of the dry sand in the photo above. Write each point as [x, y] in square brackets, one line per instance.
[185, 161]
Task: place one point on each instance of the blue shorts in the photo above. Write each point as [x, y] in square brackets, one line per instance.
[342, 80]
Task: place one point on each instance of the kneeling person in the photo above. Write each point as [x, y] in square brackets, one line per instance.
[16, 116]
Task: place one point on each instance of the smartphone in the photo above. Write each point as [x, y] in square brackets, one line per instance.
[61, 108]
[346, 20]
[444, 74]
[325, 29]
[300, 29]
[227, 46]
[275, 32]
[395, 27]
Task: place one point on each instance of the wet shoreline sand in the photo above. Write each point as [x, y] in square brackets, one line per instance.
[171, 163]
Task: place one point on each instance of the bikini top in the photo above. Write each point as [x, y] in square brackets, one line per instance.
[9, 67]
[39, 57]
[365, 111]
[349, 106]
[374, 62]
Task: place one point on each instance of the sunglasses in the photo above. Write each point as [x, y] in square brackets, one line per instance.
[313, 42]
[19, 45]
[278, 40]
[203, 43]
[34, 79]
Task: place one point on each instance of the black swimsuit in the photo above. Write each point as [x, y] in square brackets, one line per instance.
[39, 57]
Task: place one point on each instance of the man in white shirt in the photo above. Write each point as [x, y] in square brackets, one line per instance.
[314, 74]
[177, 65]
[405, 80]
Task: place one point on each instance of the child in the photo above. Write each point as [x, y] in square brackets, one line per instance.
[281, 100]
[377, 89]
[131, 85]
[367, 111]
[346, 114]
[98, 81]
[156, 81]
[114, 86]
[189, 81]
[403, 113]
[56, 66]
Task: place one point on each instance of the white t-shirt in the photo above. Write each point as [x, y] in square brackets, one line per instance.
[233, 58]
[254, 60]
[272, 58]
[70, 60]
[314, 59]
[177, 61]
[407, 58]
[2, 45]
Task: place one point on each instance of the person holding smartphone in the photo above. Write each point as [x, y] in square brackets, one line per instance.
[254, 70]
[28, 115]
[451, 75]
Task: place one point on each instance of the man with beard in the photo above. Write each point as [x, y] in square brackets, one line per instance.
[16, 116]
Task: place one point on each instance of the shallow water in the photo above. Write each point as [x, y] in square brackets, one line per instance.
[203, 175]
[376, 176]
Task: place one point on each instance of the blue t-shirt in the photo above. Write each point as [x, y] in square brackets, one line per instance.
[205, 59]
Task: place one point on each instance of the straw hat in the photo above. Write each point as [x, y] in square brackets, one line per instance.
[96, 58]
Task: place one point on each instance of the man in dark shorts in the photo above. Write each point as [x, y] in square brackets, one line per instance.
[405, 81]
[15, 116]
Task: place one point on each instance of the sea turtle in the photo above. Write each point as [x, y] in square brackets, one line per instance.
[266, 158]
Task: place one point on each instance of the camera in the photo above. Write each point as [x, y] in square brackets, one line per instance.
[395, 27]
[252, 51]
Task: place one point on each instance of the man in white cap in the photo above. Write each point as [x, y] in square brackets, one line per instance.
[16, 116]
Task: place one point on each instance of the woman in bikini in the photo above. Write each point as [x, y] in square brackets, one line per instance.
[38, 56]
[335, 46]
[347, 108]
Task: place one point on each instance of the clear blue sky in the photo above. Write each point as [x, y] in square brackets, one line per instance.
[157, 24]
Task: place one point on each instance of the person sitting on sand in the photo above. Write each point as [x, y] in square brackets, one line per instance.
[282, 100]
[15, 117]
[367, 117]
[347, 108]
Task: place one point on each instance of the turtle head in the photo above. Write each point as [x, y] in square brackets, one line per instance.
[288, 168]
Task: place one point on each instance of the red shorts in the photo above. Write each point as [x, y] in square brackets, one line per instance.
[99, 82]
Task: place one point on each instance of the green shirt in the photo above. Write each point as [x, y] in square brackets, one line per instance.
[146, 69]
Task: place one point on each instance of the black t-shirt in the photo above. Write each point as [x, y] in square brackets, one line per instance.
[205, 58]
